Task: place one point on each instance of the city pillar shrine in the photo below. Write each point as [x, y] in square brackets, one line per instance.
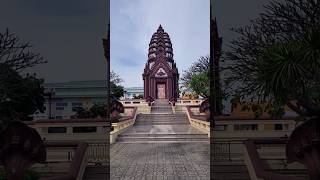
[160, 73]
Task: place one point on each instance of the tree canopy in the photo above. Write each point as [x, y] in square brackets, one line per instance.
[116, 90]
[17, 54]
[200, 66]
[200, 84]
[19, 96]
[277, 56]
[94, 112]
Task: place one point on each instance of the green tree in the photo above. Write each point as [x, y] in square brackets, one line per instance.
[93, 112]
[116, 90]
[20, 96]
[200, 66]
[277, 57]
[200, 84]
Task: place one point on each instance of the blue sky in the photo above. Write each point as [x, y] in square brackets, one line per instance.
[133, 22]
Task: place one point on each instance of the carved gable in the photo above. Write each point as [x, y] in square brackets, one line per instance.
[161, 73]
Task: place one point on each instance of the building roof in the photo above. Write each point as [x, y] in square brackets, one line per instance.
[95, 88]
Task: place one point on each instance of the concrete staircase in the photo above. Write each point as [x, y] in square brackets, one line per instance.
[161, 119]
[161, 106]
[162, 126]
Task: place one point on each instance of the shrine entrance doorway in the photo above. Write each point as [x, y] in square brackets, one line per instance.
[161, 91]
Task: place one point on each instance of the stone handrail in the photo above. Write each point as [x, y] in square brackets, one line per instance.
[189, 101]
[119, 127]
[142, 104]
[255, 165]
[133, 101]
[78, 163]
[198, 121]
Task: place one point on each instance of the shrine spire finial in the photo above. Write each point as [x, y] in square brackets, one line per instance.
[160, 28]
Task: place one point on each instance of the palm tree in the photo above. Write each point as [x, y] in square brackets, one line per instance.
[290, 71]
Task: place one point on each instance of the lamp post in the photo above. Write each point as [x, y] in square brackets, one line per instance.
[49, 93]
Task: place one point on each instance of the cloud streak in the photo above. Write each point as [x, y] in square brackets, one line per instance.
[134, 22]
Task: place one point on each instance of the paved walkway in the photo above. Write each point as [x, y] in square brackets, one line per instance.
[160, 146]
[160, 161]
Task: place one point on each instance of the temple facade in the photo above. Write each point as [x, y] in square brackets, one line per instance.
[160, 73]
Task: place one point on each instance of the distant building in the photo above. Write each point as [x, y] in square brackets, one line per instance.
[67, 96]
[131, 92]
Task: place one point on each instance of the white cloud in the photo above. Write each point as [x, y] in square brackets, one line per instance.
[134, 22]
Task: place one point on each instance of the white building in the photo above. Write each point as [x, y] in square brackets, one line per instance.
[69, 95]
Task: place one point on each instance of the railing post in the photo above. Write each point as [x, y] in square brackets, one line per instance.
[69, 155]
[229, 151]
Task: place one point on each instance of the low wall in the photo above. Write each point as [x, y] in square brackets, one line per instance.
[181, 105]
[141, 104]
[235, 128]
[120, 127]
[198, 121]
[241, 128]
[88, 130]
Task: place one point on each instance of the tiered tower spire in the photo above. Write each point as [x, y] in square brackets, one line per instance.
[160, 70]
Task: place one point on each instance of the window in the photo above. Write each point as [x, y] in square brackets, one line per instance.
[59, 108]
[77, 104]
[220, 128]
[85, 129]
[74, 109]
[278, 127]
[247, 127]
[61, 104]
[269, 127]
[57, 129]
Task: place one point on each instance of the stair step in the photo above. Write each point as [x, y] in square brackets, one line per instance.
[161, 119]
[169, 141]
[160, 123]
[229, 176]
[178, 114]
[161, 135]
[162, 138]
[96, 173]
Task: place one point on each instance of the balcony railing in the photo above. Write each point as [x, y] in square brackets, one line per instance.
[65, 161]
[265, 159]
